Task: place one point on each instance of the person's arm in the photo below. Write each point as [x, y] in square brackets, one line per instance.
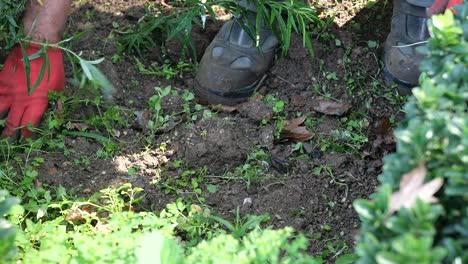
[439, 6]
[48, 19]
[45, 23]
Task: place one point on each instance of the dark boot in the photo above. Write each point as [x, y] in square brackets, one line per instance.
[409, 26]
[232, 65]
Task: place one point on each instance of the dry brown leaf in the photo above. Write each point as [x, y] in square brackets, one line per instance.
[102, 228]
[293, 131]
[331, 107]
[299, 134]
[295, 122]
[78, 126]
[60, 106]
[76, 215]
[196, 209]
[384, 134]
[38, 184]
[412, 187]
[224, 108]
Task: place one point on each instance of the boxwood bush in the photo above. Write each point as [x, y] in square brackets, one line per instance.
[434, 133]
[7, 230]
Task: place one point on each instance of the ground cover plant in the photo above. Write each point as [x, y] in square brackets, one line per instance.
[155, 174]
[11, 11]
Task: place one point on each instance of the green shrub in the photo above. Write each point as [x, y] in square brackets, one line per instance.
[434, 134]
[258, 247]
[7, 230]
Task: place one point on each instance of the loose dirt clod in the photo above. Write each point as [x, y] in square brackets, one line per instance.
[256, 111]
[218, 144]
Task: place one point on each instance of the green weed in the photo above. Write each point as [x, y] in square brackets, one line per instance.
[241, 225]
[283, 17]
[166, 70]
[254, 170]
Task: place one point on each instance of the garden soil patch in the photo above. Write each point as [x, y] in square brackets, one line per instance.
[311, 189]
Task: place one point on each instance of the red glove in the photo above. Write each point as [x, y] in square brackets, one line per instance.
[439, 6]
[14, 99]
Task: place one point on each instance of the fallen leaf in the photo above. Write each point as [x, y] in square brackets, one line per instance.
[224, 108]
[102, 228]
[295, 122]
[195, 210]
[60, 107]
[38, 184]
[78, 126]
[293, 131]
[412, 187]
[299, 134]
[52, 171]
[383, 126]
[76, 215]
[331, 107]
[384, 133]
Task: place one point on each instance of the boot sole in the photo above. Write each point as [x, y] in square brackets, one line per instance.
[403, 88]
[208, 97]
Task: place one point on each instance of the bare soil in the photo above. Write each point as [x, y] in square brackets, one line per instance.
[293, 195]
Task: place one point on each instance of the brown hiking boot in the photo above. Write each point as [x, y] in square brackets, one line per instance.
[232, 65]
[409, 29]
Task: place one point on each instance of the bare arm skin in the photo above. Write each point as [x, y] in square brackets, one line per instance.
[51, 18]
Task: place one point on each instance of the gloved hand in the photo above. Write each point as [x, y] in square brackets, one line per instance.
[439, 6]
[14, 99]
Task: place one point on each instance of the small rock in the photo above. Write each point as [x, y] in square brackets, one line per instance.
[256, 110]
[298, 223]
[116, 133]
[308, 148]
[247, 202]
[141, 120]
[297, 100]
[266, 135]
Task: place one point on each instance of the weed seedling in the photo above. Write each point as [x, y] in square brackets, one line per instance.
[158, 119]
[254, 170]
[241, 225]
